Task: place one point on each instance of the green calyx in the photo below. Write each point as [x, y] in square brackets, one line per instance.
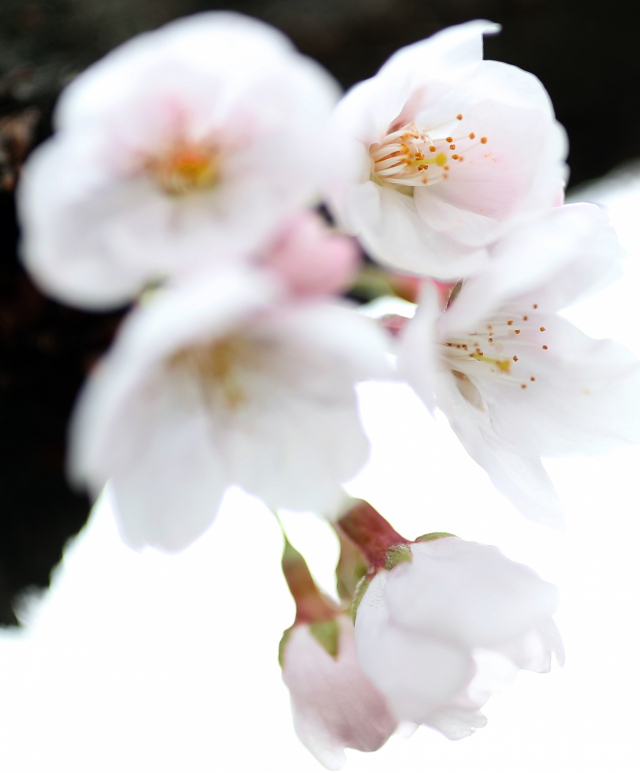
[434, 535]
[361, 589]
[283, 644]
[398, 554]
[327, 634]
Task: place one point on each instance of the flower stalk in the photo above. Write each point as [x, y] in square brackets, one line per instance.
[373, 535]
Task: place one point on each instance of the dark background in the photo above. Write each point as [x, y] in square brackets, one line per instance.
[585, 53]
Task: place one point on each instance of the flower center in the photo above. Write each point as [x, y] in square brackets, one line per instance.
[185, 169]
[412, 157]
[216, 368]
[498, 350]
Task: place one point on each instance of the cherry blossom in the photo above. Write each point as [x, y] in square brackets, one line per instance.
[189, 143]
[516, 380]
[441, 152]
[334, 704]
[450, 624]
[218, 381]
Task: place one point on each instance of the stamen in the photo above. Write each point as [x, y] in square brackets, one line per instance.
[216, 368]
[185, 169]
[404, 155]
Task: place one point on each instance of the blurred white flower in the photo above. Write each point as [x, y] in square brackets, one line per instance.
[334, 704]
[440, 152]
[515, 379]
[445, 629]
[224, 381]
[189, 143]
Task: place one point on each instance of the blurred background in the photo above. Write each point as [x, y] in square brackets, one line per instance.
[90, 704]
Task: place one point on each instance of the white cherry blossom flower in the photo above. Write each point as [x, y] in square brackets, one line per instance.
[334, 704]
[516, 380]
[189, 143]
[441, 152]
[219, 381]
[450, 625]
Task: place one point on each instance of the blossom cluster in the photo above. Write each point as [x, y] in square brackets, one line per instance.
[184, 178]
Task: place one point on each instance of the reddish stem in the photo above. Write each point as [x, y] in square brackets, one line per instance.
[374, 535]
[312, 605]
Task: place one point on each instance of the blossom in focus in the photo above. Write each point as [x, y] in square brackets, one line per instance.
[334, 704]
[440, 152]
[516, 380]
[189, 143]
[219, 381]
[449, 625]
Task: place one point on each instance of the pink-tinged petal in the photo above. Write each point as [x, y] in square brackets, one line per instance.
[506, 175]
[416, 673]
[311, 259]
[334, 704]
[482, 599]
[583, 399]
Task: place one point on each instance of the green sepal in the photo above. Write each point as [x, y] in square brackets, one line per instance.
[434, 535]
[327, 634]
[361, 589]
[283, 643]
[398, 554]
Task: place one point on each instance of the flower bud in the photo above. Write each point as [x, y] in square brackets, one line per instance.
[334, 704]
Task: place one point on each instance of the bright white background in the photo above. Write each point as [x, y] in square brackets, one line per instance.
[153, 663]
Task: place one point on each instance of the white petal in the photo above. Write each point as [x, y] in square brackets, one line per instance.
[304, 410]
[416, 673]
[553, 261]
[452, 54]
[388, 225]
[456, 723]
[466, 592]
[584, 399]
[166, 476]
[517, 475]
[417, 361]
